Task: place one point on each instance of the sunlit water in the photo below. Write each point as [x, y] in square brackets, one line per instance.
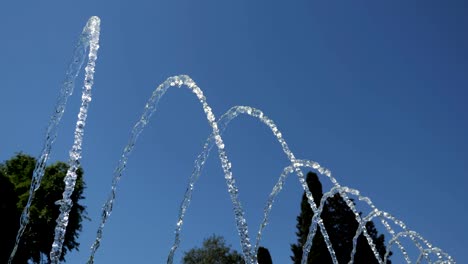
[89, 41]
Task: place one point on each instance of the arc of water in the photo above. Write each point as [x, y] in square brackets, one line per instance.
[387, 226]
[409, 233]
[440, 254]
[200, 161]
[395, 238]
[279, 186]
[383, 216]
[90, 38]
[316, 218]
[150, 108]
[391, 232]
[51, 131]
[414, 236]
[296, 167]
[423, 252]
[143, 121]
[93, 31]
[375, 212]
[343, 190]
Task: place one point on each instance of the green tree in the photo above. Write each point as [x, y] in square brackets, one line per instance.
[35, 245]
[214, 251]
[341, 226]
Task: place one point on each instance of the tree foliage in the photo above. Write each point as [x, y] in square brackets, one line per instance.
[214, 251]
[15, 181]
[341, 226]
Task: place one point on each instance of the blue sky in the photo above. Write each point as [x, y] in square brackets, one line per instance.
[375, 91]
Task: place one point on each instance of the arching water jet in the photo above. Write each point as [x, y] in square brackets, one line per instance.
[90, 39]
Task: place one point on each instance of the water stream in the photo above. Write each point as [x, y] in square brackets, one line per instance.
[89, 40]
[89, 37]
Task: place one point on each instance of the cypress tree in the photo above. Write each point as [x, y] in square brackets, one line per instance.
[341, 226]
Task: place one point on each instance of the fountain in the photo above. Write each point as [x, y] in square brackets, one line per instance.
[89, 41]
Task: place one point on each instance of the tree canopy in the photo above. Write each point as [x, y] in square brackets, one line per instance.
[341, 226]
[15, 181]
[213, 251]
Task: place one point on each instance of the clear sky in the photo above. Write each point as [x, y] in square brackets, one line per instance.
[373, 90]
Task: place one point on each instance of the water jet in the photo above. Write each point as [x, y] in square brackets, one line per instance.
[89, 41]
